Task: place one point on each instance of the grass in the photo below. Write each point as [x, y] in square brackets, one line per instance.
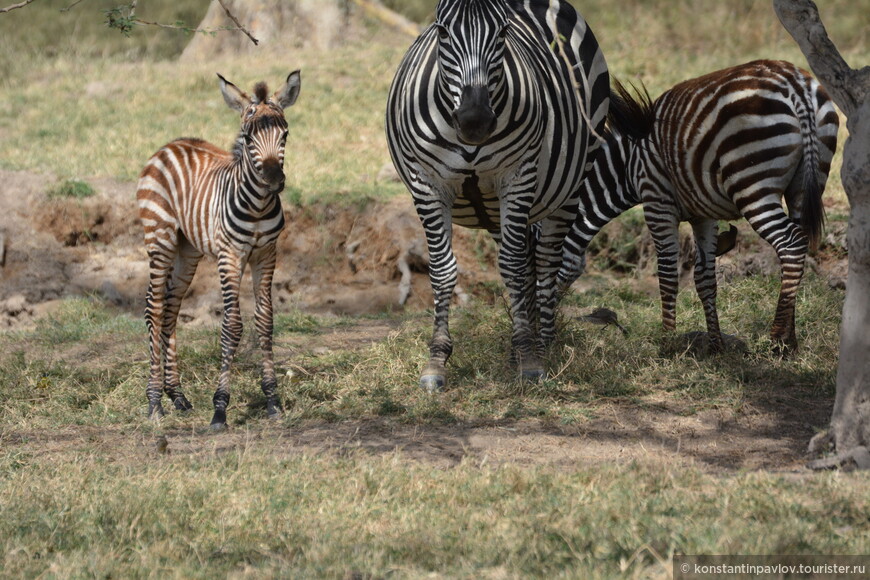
[47, 384]
[72, 188]
[316, 517]
[83, 493]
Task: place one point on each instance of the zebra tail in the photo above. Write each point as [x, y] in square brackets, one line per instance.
[631, 112]
[813, 211]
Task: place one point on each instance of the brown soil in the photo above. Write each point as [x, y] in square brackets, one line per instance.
[347, 262]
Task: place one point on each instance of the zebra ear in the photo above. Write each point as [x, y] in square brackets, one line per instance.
[235, 98]
[286, 95]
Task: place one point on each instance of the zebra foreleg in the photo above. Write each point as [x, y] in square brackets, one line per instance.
[443, 272]
[548, 257]
[664, 228]
[706, 237]
[434, 213]
[262, 271]
[516, 262]
[230, 269]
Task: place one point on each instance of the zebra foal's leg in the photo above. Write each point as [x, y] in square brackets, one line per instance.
[230, 269]
[159, 265]
[434, 215]
[262, 271]
[706, 237]
[183, 271]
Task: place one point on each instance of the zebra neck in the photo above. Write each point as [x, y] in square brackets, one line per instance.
[248, 192]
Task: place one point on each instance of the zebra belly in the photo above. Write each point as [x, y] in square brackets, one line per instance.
[476, 207]
[707, 205]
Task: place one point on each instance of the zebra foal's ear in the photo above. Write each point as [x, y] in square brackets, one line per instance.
[286, 95]
[234, 97]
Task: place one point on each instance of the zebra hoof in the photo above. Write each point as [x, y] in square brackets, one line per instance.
[219, 421]
[433, 383]
[533, 375]
[155, 411]
[274, 409]
[182, 404]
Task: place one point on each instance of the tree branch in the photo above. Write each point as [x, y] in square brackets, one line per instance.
[15, 6]
[801, 19]
[71, 6]
[237, 23]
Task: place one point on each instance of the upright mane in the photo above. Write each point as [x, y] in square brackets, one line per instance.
[261, 92]
[631, 112]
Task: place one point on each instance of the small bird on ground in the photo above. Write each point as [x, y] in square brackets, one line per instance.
[163, 445]
[604, 317]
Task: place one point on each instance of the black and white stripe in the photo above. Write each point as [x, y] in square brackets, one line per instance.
[491, 123]
[730, 144]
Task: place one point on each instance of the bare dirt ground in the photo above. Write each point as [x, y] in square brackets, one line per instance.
[349, 263]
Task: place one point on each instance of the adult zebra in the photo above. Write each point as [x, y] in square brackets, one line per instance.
[491, 122]
[728, 144]
[196, 199]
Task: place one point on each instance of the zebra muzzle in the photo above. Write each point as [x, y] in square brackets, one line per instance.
[273, 175]
[474, 119]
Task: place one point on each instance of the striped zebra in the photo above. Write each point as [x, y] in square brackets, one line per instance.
[490, 123]
[196, 199]
[729, 144]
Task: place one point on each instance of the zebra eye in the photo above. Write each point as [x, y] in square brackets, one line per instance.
[443, 34]
[503, 32]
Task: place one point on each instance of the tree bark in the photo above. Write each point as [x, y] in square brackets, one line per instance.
[849, 431]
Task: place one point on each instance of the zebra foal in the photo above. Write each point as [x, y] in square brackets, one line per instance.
[490, 121]
[728, 144]
[197, 200]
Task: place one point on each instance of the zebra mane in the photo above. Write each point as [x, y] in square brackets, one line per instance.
[631, 112]
[261, 92]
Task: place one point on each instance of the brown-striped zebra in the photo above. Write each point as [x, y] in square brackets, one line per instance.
[196, 199]
[729, 144]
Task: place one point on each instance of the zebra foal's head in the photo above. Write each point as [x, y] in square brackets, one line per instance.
[264, 128]
[471, 45]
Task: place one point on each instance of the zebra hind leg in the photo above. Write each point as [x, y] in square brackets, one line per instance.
[791, 245]
[159, 266]
[182, 274]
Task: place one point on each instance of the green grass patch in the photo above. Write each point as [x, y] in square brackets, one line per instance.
[71, 189]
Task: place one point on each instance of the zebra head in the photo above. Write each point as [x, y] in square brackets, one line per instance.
[264, 128]
[471, 46]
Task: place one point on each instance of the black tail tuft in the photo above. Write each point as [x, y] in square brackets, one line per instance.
[631, 112]
[812, 212]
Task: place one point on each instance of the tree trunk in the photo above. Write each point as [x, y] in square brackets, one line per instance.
[287, 24]
[276, 24]
[850, 89]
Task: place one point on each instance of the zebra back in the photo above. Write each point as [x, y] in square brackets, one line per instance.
[718, 130]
